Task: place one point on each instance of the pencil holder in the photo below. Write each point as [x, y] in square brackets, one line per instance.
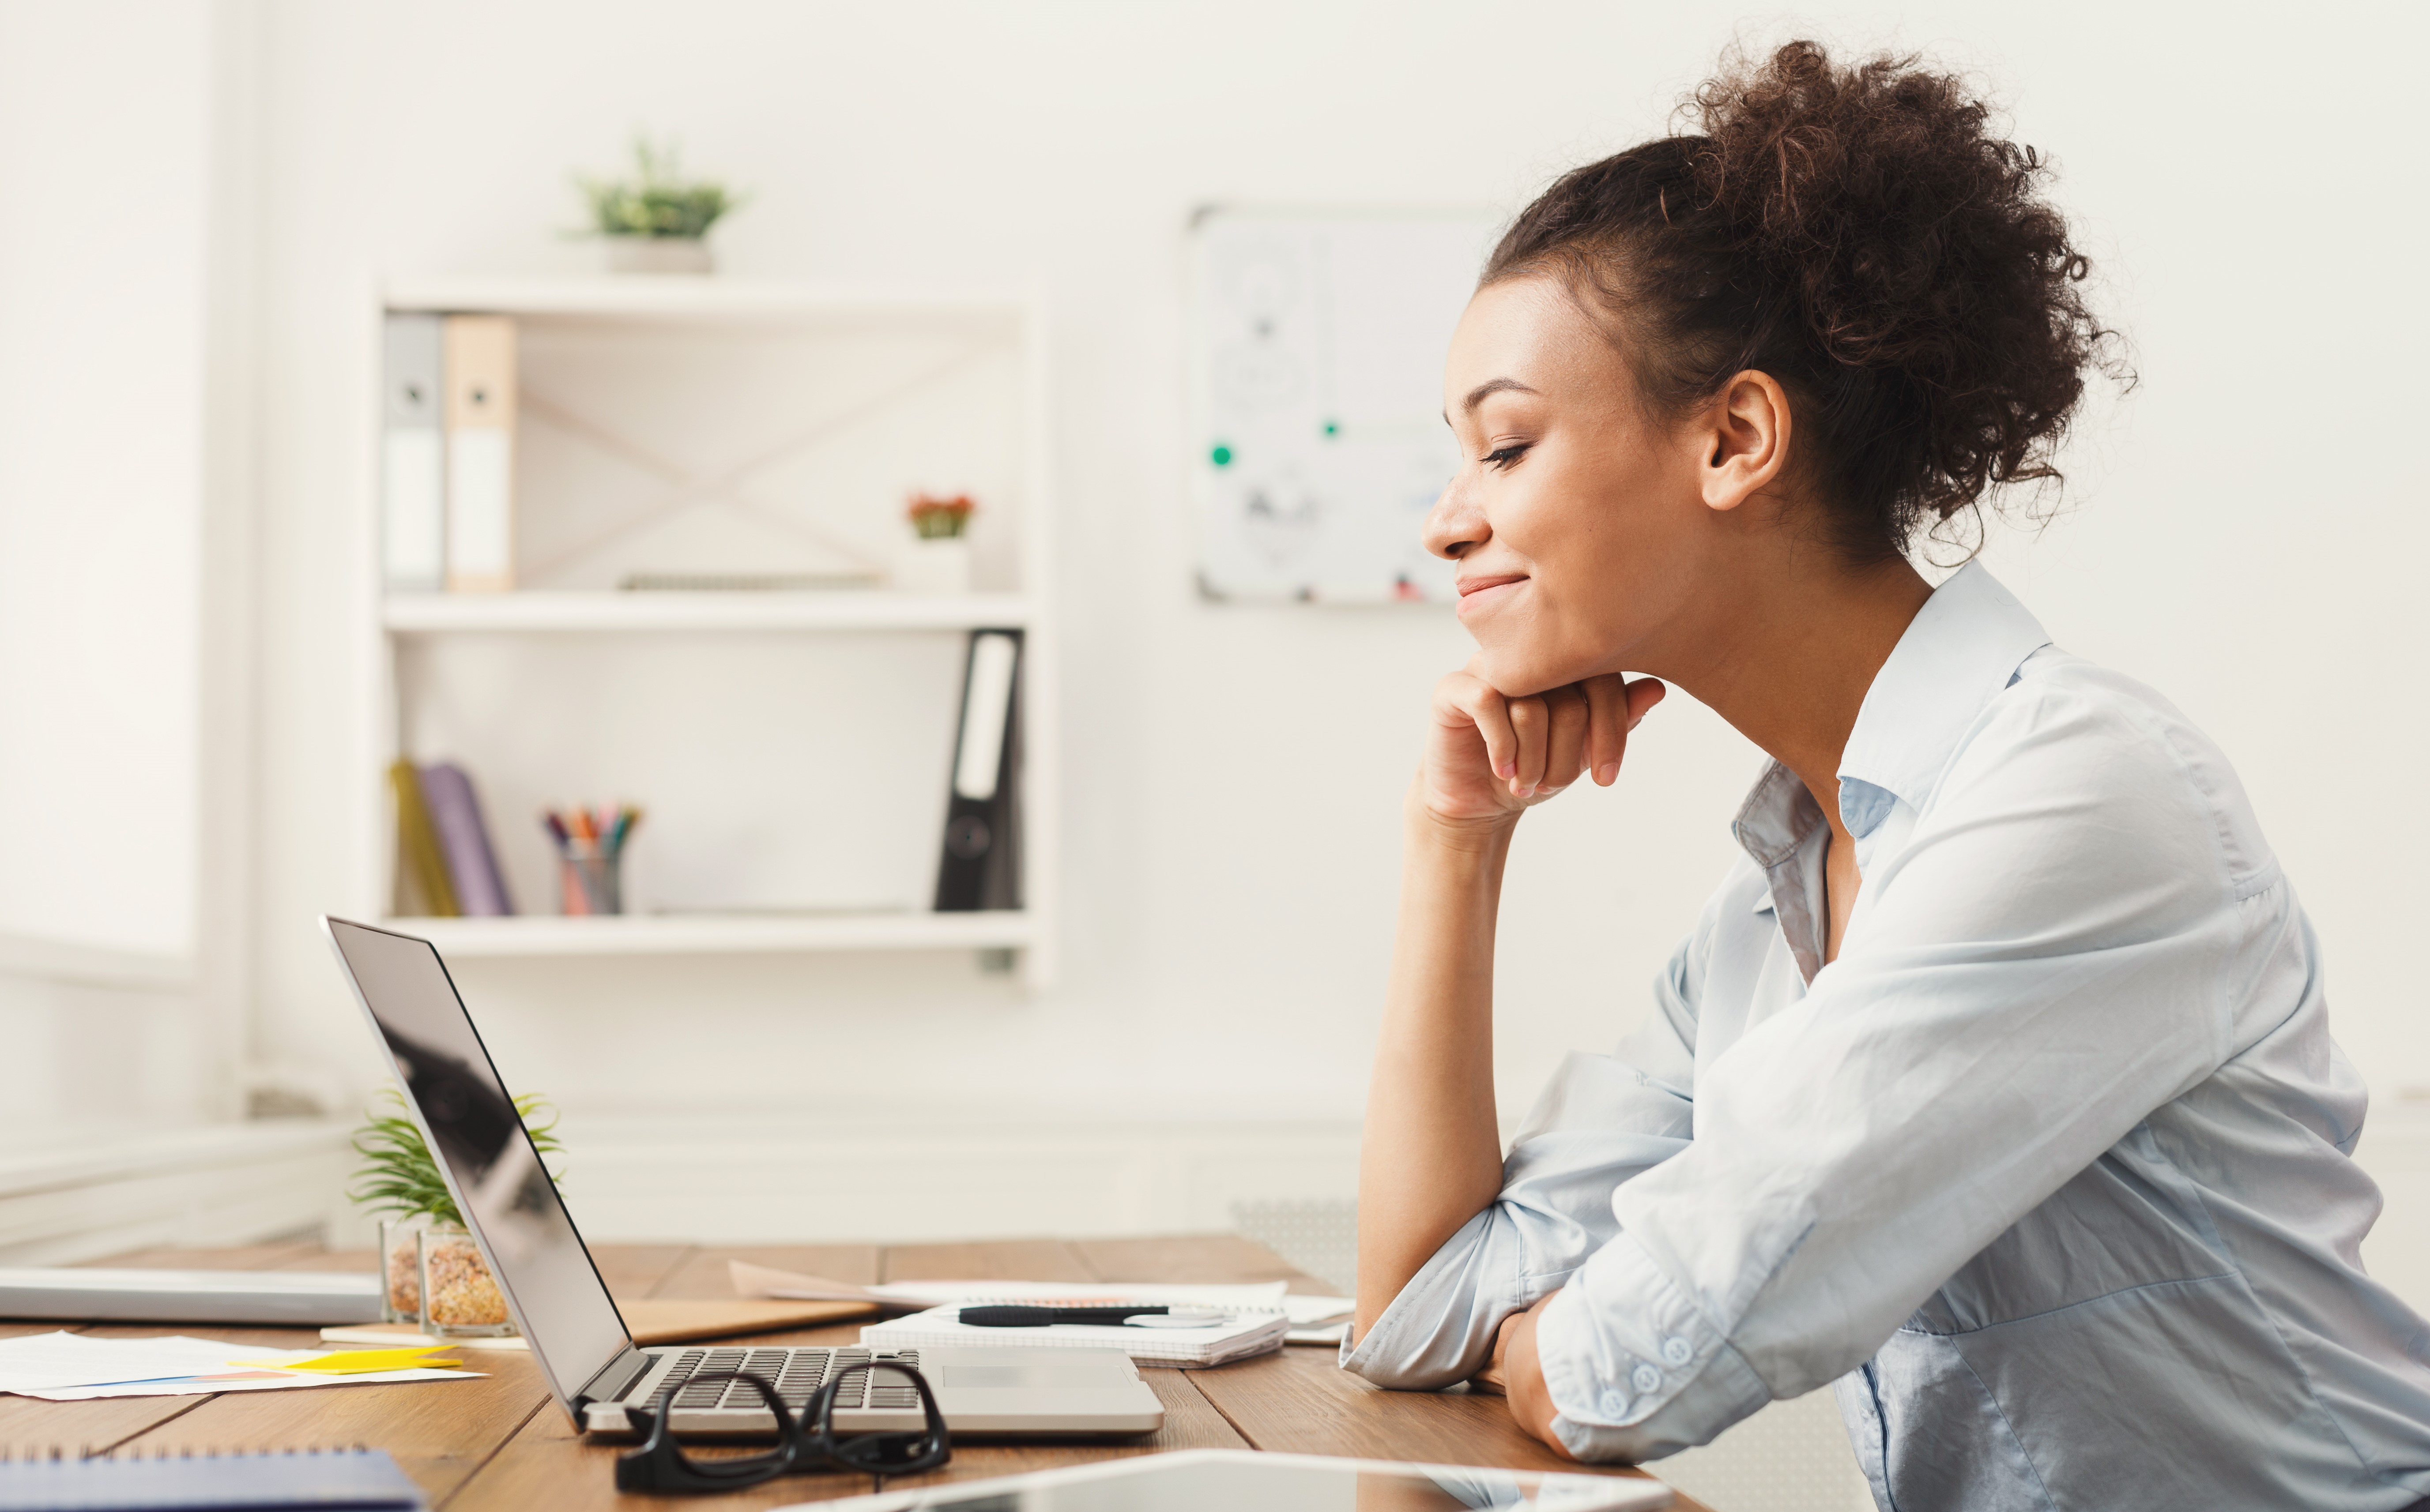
[459, 1297]
[590, 881]
[590, 857]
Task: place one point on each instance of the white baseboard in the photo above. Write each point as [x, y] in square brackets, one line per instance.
[71, 1199]
[703, 1178]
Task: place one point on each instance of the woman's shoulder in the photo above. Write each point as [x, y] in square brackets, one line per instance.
[2106, 754]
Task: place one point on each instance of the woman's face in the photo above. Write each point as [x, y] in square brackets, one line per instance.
[1577, 520]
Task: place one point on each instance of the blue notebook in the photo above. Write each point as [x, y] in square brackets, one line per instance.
[337, 1480]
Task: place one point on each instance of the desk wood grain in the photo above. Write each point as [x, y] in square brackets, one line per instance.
[501, 1444]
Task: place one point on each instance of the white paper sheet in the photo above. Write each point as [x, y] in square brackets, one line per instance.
[64, 1367]
[1304, 1311]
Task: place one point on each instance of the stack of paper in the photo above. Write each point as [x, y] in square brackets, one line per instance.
[1311, 1320]
[73, 1367]
[1229, 1336]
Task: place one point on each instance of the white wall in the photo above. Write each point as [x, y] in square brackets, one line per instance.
[101, 417]
[2248, 526]
[123, 434]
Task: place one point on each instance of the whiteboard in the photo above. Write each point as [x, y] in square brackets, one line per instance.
[1316, 414]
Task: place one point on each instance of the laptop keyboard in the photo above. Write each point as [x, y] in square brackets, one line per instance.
[798, 1373]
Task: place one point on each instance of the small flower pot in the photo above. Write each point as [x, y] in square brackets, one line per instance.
[459, 1298]
[660, 253]
[935, 564]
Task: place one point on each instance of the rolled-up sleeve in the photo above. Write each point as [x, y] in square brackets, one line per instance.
[1599, 1122]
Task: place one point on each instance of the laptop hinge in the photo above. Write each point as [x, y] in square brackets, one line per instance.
[613, 1379]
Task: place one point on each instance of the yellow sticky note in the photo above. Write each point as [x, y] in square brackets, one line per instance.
[360, 1361]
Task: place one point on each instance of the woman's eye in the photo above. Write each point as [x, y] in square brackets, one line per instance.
[1503, 456]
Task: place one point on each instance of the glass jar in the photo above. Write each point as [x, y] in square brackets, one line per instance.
[400, 1251]
[459, 1297]
[590, 879]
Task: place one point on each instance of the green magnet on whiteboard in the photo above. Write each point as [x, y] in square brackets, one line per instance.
[1220, 455]
[1332, 427]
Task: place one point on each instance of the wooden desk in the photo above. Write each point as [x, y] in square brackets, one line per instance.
[501, 1442]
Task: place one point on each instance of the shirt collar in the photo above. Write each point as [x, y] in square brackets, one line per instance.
[1964, 646]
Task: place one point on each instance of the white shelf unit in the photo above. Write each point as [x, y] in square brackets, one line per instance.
[873, 610]
[721, 934]
[872, 378]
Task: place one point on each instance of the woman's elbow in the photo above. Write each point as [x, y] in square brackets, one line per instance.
[1420, 1374]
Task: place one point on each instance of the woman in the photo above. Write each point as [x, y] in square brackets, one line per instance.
[1994, 1085]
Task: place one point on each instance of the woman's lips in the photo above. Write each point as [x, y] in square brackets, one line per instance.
[1478, 593]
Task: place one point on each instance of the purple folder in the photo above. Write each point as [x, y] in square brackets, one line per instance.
[455, 814]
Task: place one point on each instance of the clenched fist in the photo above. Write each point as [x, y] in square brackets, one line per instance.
[1489, 758]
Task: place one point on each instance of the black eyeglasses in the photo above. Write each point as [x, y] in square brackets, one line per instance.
[804, 1444]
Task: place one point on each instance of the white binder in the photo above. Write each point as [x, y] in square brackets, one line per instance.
[413, 463]
[481, 351]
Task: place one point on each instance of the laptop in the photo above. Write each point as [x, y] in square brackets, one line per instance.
[577, 1338]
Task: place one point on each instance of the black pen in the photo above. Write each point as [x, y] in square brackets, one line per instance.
[1016, 1317]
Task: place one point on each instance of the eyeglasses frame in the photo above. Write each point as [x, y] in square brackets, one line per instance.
[660, 1465]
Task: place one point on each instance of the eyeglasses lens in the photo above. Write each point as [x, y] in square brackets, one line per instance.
[805, 1443]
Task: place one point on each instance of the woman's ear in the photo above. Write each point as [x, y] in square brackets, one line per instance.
[1744, 436]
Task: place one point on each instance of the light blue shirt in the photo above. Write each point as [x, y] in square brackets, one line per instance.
[2049, 1173]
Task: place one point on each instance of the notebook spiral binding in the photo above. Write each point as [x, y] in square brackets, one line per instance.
[38, 1453]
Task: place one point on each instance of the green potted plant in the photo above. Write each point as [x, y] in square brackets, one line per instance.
[656, 221]
[432, 1273]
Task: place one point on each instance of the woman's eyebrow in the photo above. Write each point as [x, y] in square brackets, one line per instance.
[1490, 386]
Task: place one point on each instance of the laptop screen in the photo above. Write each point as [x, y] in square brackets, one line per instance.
[500, 1186]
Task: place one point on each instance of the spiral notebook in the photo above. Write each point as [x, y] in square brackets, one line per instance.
[1242, 1333]
[340, 1479]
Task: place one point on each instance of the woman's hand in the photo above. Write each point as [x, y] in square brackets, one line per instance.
[1488, 758]
[1516, 1372]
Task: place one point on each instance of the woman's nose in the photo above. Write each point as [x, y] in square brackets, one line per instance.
[1455, 527]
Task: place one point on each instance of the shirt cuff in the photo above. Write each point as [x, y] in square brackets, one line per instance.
[1634, 1369]
[1440, 1330]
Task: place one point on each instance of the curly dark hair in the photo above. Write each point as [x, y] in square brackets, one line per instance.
[1860, 234]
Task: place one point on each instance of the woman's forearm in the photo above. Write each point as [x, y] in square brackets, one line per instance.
[1431, 1159]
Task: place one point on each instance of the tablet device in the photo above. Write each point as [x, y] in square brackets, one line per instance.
[1224, 1480]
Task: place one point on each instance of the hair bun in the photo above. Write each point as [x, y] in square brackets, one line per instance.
[1865, 235]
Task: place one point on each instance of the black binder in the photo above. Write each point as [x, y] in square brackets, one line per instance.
[981, 865]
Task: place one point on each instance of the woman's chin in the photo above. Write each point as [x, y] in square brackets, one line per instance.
[1517, 673]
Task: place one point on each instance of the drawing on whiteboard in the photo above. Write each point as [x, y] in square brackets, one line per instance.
[1316, 398]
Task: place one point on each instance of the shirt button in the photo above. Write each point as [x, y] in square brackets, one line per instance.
[1645, 1378]
[1676, 1352]
[1615, 1405]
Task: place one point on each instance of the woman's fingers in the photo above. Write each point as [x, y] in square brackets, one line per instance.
[1606, 700]
[1616, 706]
[1565, 750]
[1551, 732]
[1475, 699]
[1534, 746]
[1533, 724]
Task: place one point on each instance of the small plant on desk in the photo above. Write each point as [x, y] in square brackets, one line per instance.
[432, 1273]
